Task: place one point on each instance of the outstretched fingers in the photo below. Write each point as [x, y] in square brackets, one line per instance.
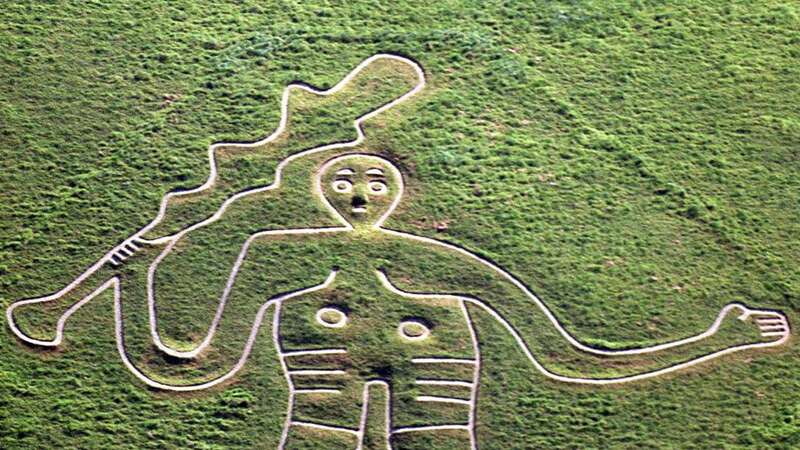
[772, 325]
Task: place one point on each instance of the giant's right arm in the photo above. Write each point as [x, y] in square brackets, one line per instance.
[270, 264]
[264, 275]
[40, 320]
[201, 375]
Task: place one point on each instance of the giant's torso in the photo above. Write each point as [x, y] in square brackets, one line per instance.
[357, 330]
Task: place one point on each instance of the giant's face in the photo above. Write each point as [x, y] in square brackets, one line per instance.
[362, 188]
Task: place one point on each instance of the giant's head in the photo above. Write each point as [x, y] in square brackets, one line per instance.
[362, 189]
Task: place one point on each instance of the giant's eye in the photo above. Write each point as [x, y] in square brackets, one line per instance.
[378, 187]
[342, 186]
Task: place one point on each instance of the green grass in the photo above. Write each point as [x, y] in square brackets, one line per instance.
[634, 162]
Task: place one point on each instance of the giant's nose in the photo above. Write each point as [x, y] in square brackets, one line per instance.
[359, 203]
[358, 200]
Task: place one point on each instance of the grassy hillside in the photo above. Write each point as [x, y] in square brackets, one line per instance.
[634, 162]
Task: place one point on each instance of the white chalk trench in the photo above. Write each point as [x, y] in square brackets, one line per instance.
[772, 325]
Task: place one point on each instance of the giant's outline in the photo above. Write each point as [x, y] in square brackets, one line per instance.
[771, 323]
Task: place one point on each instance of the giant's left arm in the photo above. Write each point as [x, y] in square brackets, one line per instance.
[546, 342]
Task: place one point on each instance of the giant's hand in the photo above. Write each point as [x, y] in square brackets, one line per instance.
[773, 326]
